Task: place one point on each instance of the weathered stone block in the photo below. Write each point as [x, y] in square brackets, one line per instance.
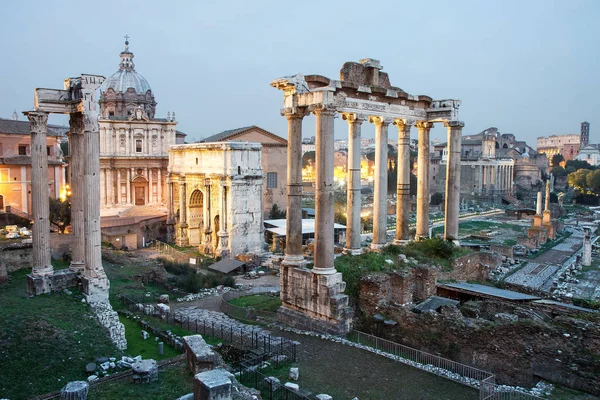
[200, 356]
[212, 385]
[77, 390]
[56, 282]
[145, 371]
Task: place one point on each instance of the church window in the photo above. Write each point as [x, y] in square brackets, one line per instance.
[138, 145]
[271, 180]
[111, 113]
[22, 150]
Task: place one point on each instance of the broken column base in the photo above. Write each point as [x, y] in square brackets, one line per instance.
[353, 252]
[56, 282]
[213, 385]
[314, 301]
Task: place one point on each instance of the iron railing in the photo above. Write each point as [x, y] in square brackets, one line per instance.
[169, 251]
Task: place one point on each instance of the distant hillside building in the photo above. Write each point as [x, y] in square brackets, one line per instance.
[273, 158]
[15, 164]
[566, 145]
[590, 154]
[585, 133]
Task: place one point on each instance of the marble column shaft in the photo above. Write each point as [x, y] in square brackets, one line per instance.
[293, 230]
[380, 187]
[77, 192]
[182, 237]
[353, 206]
[403, 187]
[40, 204]
[324, 207]
[422, 228]
[453, 180]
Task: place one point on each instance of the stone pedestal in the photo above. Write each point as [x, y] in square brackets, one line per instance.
[313, 301]
[200, 356]
[56, 282]
[145, 371]
[182, 239]
[212, 385]
[77, 390]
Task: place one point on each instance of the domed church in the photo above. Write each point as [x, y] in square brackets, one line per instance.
[134, 144]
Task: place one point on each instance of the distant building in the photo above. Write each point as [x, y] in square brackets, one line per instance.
[566, 145]
[585, 133]
[589, 153]
[274, 161]
[15, 164]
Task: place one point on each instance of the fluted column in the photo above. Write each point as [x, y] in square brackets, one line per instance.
[40, 207]
[110, 187]
[182, 238]
[95, 284]
[293, 230]
[170, 209]
[453, 180]
[77, 192]
[324, 212]
[222, 248]
[159, 188]
[150, 198]
[403, 183]
[422, 230]
[208, 247]
[119, 186]
[353, 206]
[380, 188]
[128, 185]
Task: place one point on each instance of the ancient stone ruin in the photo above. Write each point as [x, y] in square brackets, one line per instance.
[78, 99]
[314, 298]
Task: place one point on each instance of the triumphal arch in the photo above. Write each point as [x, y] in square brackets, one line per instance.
[363, 94]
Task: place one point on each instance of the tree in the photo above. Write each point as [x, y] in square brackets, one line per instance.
[592, 180]
[556, 160]
[276, 213]
[578, 164]
[558, 172]
[308, 159]
[60, 213]
[578, 179]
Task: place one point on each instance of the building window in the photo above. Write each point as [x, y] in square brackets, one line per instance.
[111, 113]
[271, 180]
[138, 145]
[22, 150]
[48, 150]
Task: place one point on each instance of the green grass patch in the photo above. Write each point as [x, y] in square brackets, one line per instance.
[173, 381]
[146, 348]
[509, 242]
[258, 302]
[46, 341]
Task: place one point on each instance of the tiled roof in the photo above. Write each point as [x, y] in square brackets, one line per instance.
[232, 133]
[13, 127]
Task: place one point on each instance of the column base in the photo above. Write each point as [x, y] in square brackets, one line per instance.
[95, 290]
[377, 246]
[401, 242]
[77, 266]
[294, 261]
[323, 271]
[38, 272]
[421, 237]
[55, 282]
[353, 252]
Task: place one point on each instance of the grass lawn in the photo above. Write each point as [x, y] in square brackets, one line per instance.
[146, 348]
[173, 381]
[45, 341]
[258, 302]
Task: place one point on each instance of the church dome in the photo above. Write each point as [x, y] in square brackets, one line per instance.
[126, 77]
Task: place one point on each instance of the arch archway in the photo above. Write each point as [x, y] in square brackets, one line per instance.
[196, 217]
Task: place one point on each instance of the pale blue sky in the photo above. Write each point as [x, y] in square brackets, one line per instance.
[528, 67]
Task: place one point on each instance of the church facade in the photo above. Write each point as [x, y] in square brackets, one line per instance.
[134, 144]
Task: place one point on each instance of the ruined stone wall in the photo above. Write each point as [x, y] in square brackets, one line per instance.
[472, 267]
[517, 343]
[16, 256]
[400, 287]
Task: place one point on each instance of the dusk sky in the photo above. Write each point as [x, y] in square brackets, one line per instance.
[528, 67]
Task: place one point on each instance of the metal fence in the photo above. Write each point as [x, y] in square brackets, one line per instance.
[249, 375]
[169, 251]
[249, 337]
[464, 374]
[247, 313]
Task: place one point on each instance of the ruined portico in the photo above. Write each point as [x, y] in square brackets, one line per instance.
[78, 99]
[363, 93]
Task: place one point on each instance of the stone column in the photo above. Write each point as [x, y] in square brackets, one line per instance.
[170, 210]
[40, 203]
[293, 230]
[208, 248]
[159, 187]
[422, 230]
[380, 189]
[324, 212]
[150, 184]
[403, 182]
[480, 180]
[353, 206]
[538, 208]
[110, 187]
[586, 255]
[128, 186]
[95, 282]
[222, 249]
[77, 192]
[182, 238]
[102, 187]
[453, 180]
[119, 187]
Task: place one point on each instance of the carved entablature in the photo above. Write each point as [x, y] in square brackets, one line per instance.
[443, 110]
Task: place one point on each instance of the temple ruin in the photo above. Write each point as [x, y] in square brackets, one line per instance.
[314, 298]
[78, 99]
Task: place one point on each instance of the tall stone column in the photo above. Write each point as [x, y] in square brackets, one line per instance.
[453, 180]
[182, 238]
[159, 187]
[403, 183]
[353, 206]
[77, 192]
[422, 230]
[102, 187]
[40, 203]
[208, 247]
[150, 197]
[170, 210]
[110, 187]
[293, 230]
[324, 211]
[222, 248]
[480, 187]
[95, 284]
[119, 187]
[128, 185]
[380, 189]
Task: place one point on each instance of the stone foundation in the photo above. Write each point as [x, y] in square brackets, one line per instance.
[109, 319]
[200, 356]
[95, 290]
[314, 301]
[56, 282]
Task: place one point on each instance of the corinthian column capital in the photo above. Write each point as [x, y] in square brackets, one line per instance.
[76, 123]
[38, 121]
[377, 120]
[323, 109]
[354, 118]
[404, 124]
[424, 125]
[294, 112]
